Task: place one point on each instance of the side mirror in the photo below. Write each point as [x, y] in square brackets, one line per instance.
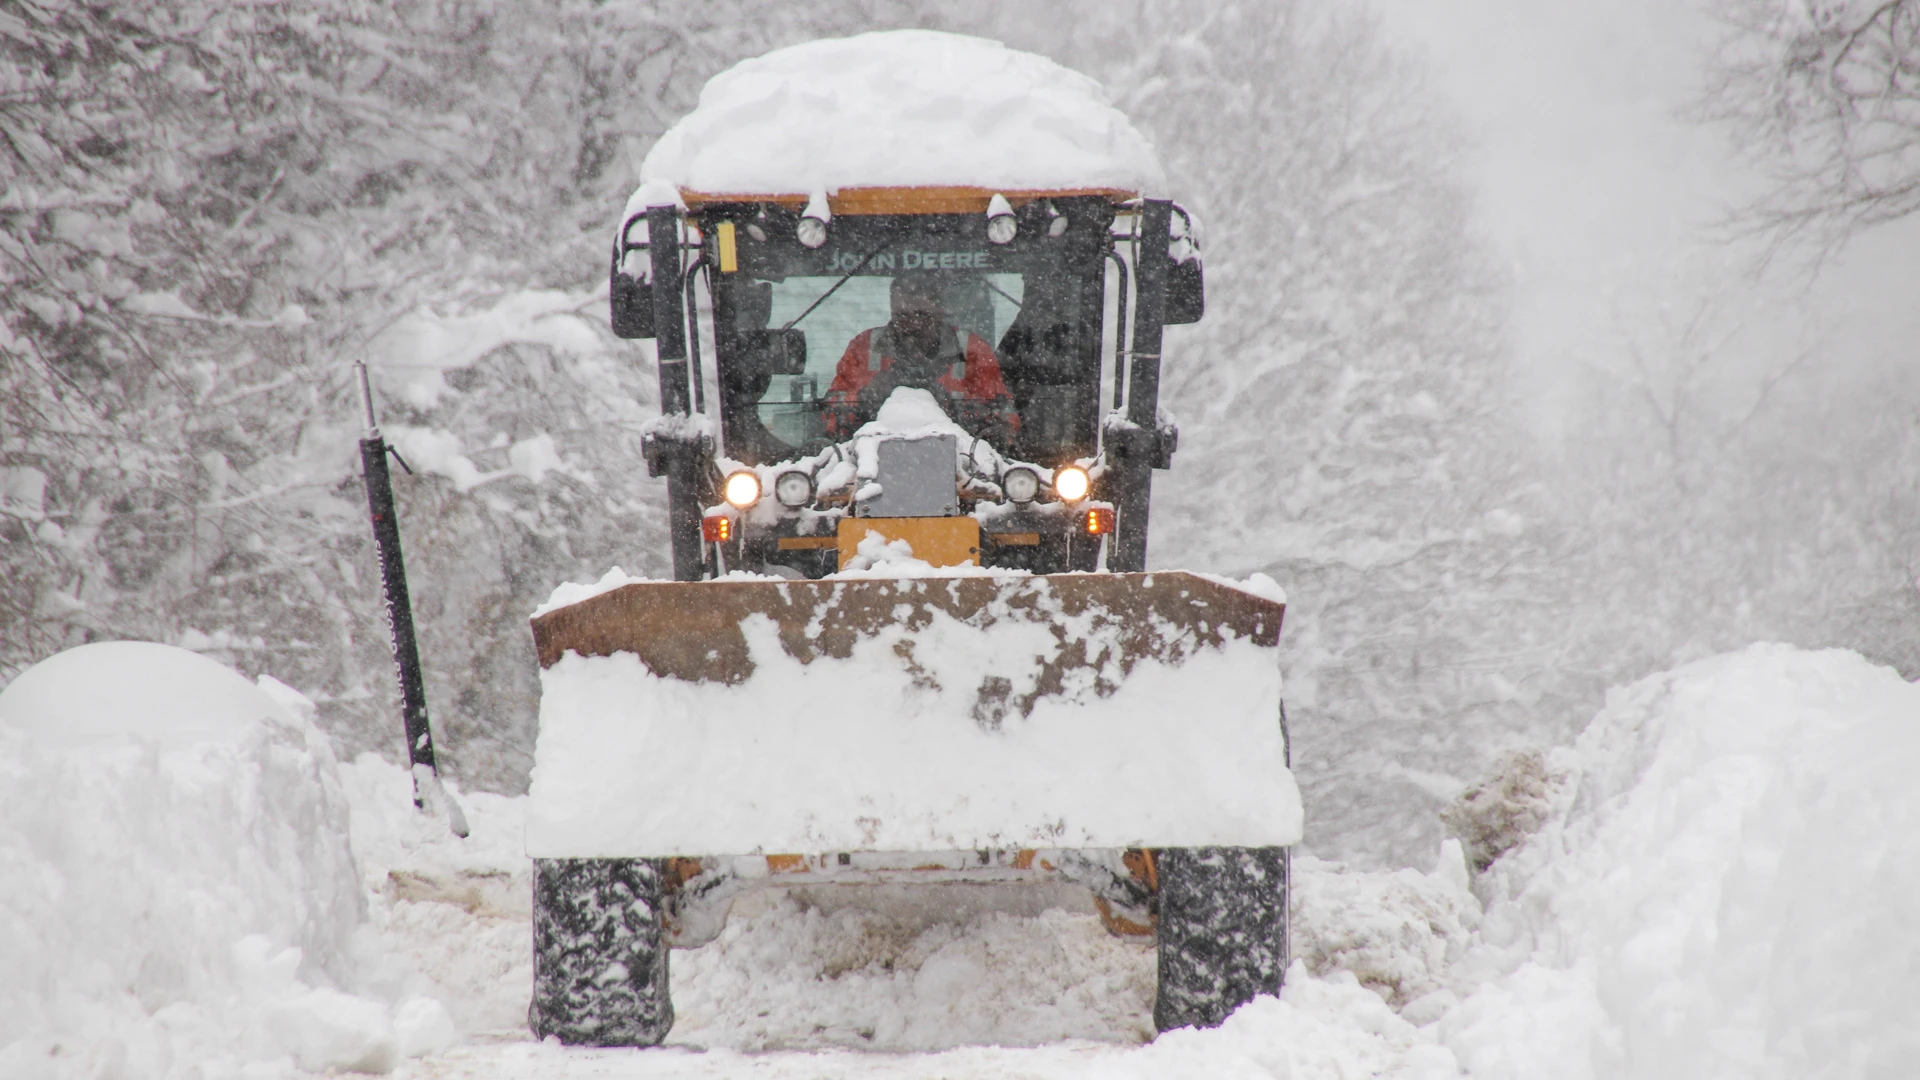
[783, 352]
[1186, 293]
[632, 303]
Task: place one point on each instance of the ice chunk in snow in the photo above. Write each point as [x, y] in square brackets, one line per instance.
[901, 108]
[328, 1030]
[423, 1026]
[1491, 817]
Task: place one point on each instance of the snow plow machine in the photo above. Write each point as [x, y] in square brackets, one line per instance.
[910, 636]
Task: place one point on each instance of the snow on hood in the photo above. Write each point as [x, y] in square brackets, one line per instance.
[910, 410]
[901, 108]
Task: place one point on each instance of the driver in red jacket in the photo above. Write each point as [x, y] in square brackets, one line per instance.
[919, 347]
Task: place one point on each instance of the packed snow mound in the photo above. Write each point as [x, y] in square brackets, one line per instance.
[901, 108]
[160, 693]
[178, 884]
[1727, 886]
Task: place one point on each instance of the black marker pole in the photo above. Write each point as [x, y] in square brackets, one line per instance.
[393, 579]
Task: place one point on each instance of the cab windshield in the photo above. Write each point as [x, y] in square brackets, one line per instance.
[1035, 313]
[980, 305]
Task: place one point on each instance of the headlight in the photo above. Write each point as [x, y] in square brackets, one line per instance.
[1021, 485]
[1071, 483]
[793, 488]
[743, 489]
[812, 232]
[1000, 223]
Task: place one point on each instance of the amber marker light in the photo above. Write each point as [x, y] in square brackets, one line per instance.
[1098, 521]
[717, 529]
[742, 489]
[1071, 483]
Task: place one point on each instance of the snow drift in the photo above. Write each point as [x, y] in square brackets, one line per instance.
[901, 108]
[1727, 885]
[178, 888]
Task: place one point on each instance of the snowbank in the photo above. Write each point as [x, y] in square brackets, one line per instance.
[900, 108]
[1728, 885]
[178, 893]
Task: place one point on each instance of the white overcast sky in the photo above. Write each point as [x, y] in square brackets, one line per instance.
[1598, 192]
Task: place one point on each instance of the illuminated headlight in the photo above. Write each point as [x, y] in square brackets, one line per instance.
[793, 489]
[812, 232]
[1021, 485]
[1001, 227]
[743, 489]
[1071, 483]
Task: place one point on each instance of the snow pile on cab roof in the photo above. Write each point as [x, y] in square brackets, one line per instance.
[901, 108]
[1727, 886]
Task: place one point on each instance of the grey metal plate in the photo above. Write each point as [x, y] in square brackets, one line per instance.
[916, 479]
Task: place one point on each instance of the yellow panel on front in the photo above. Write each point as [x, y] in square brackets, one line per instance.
[729, 260]
[942, 541]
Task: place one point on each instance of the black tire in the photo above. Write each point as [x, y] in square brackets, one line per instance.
[599, 952]
[1222, 931]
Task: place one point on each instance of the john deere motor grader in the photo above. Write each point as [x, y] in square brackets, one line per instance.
[906, 652]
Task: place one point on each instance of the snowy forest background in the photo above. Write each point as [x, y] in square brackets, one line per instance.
[209, 210]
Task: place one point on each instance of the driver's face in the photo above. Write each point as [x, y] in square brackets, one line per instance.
[915, 314]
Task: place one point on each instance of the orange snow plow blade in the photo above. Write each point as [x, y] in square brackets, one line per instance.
[960, 712]
[693, 630]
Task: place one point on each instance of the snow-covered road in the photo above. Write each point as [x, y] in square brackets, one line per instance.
[956, 981]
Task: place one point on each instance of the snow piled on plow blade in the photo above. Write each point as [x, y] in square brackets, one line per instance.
[930, 714]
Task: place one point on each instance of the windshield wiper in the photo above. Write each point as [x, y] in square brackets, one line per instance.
[861, 265]
[1017, 305]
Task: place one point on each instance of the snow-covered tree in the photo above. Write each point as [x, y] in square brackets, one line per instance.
[1824, 95]
[208, 210]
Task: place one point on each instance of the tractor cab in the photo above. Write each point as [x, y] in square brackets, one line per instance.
[790, 466]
